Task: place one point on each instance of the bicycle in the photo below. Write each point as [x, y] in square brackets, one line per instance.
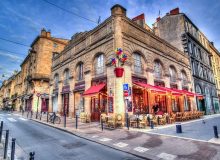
[53, 118]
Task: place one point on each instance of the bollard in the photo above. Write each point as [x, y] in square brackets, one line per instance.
[31, 154]
[102, 124]
[27, 114]
[22, 112]
[151, 124]
[127, 121]
[138, 122]
[215, 131]
[36, 117]
[47, 116]
[13, 149]
[31, 114]
[40, 116]
[178, 128]
[65, 120]
[1, 130]
[76, 121]
[6, 144]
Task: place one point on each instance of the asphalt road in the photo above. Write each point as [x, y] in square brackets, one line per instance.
[52, 144]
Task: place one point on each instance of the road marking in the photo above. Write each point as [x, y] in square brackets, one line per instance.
[141, 149]
[95, 136]
[17, 115]
[105, 139]
[166, 156]
[9, 114]
[12, 119]
[23, 119]
[120, 144]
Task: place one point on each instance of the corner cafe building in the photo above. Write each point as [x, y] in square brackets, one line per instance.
[155, 71]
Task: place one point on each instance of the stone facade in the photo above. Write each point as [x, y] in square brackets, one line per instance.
[215, 66]
[179, 30]
[86, 50]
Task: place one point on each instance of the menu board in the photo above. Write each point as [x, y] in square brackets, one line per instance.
[110, 105]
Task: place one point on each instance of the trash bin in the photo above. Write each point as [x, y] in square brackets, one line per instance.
[178, 128]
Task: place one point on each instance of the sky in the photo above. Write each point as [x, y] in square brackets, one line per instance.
[22, 20]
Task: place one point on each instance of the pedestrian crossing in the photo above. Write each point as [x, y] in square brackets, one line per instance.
[15, 120]
[12, 120]
[140, 149]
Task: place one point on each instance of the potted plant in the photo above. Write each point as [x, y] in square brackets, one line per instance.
[118, 62]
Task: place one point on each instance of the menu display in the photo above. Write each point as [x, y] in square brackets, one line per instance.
[110, 105]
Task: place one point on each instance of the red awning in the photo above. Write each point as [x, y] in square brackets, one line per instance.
[150, 87]
[171, 90]
[186, 92]
[94, 89]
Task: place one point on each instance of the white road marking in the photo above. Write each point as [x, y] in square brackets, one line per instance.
[95, 136]
[141, 149]
[23, 119]
[166, 156]
[105, 139]
[120, 144]
[9, 114]
[17, 115]
[12, 119]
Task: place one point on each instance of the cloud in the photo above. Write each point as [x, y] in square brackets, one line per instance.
[11, 57]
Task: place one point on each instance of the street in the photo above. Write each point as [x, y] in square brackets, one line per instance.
[52, 144]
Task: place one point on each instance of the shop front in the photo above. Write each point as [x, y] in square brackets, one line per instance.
[79, 102]
[98, 94]
[65, 100]
[28, 102]
[44, 102]
[55, 100]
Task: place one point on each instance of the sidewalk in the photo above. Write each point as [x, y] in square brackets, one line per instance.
[142, 144]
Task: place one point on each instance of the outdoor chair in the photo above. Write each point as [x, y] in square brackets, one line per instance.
[184, 116]
[172, 118]
[118, 121]
[155, 120]
[143, 122]
[162, 120]
[133, 121]
[103, 118]
[111, 122]
[178, 116]
[83, 117]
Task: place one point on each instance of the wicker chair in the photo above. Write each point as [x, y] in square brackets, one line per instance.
[111, 122]
[178, 116]
[155, 120]
[133, 121]
[118, 120]
[103, 118]
[143, 122]
[83, 117]
[172, 118]
[163, 120]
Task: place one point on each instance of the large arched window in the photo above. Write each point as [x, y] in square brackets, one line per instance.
[137, 63]
[56, 80]
[198, 89]
[183, 78]
[79, 71]
[99, 64]
[66, 76]
[173, 74]
[157, 69]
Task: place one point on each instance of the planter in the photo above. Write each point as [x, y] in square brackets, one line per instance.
[119, 71]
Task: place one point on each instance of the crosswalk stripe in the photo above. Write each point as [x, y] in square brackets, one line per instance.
[23, 119]
[105, 139]
[12, 119]
[166, 156]
[141, 149]
[95, 136]
[120, 144]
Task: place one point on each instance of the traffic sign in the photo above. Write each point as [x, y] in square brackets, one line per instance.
[125, 87]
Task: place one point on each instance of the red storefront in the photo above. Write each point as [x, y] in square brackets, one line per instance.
[65, 100]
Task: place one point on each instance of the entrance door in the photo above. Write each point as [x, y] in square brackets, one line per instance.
[66, 104]
[95, 109]
[55, 106]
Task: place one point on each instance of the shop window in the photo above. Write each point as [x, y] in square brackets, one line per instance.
[157, 69]
[184, 78]
[190, 47]
[175, 104]
[195, 50]
[99, 68]
[198, 89]
[172, 74]
[66, 77]
[187, 104]
[80, 71]
[137, 63]
[161, 101]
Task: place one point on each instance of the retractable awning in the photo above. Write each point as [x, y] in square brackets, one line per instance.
[150, 87]
[171, 90]
[94, 89]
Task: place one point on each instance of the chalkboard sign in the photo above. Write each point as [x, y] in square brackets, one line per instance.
[110, 105]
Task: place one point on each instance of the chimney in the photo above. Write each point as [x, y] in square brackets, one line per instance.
[43, 32]
[212, 43]
[48, 34]
[140, 20]
[158, 19]
[118, 10]
[174, 11]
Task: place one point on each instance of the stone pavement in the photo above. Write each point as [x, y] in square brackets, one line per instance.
[142, 144]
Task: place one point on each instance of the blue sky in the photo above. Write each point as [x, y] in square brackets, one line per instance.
[22, 20]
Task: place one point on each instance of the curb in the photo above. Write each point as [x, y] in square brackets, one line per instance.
[94, 141]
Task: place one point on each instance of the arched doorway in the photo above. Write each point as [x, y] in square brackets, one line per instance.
[200, 101]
